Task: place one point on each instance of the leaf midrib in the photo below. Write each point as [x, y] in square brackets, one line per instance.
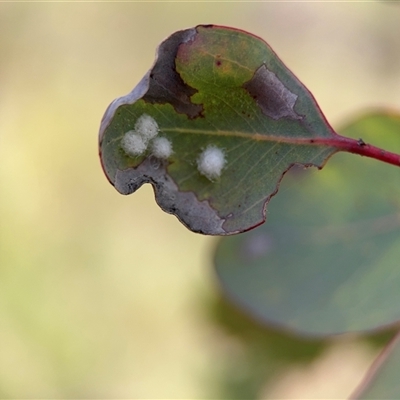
[255, 136]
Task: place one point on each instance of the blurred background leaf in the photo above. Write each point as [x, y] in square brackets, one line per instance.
[103, 295]
[326, 261]
[259, 361]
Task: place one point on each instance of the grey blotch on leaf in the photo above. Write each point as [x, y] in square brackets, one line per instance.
[272, 96]
[197, 215]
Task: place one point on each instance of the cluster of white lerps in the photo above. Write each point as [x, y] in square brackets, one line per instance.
[135, 142]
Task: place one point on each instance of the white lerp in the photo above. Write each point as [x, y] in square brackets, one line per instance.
[133, 144]
[146, 127]
[211, 162]
[161, 147]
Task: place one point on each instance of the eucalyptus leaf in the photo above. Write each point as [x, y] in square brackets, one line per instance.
[232, 119]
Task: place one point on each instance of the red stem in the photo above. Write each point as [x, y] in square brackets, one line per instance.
[343, 143]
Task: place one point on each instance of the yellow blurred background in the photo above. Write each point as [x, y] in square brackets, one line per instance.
[105, 296]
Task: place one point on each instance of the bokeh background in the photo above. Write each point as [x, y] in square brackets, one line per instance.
[105, 296]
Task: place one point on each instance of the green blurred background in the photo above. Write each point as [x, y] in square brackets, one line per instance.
[105, 296]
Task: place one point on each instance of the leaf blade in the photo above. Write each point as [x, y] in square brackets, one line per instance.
[221, 87]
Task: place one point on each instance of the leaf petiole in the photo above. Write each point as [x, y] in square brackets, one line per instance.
[342, 143]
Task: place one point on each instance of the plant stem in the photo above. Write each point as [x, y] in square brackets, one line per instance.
[354, 146]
